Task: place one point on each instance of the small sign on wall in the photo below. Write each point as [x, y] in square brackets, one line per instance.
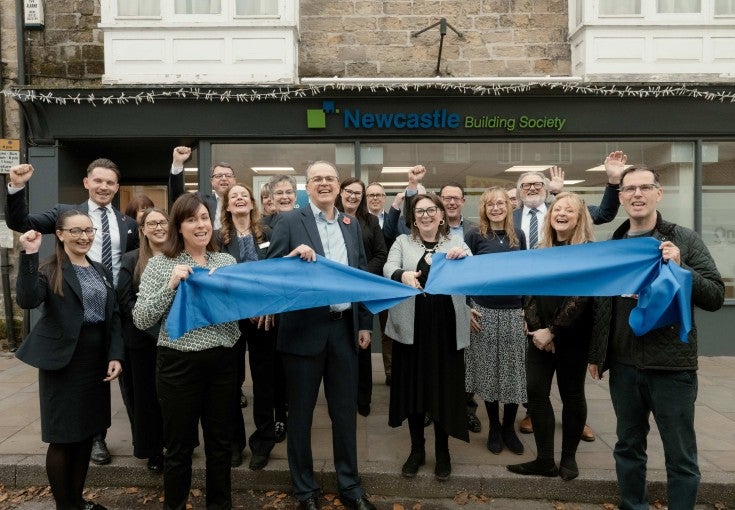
[33, 14]
[9, 154]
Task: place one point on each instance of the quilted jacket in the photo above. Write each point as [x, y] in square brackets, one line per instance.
[661, 348]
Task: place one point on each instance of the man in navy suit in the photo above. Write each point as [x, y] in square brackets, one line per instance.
[322, 342]
[102, 183]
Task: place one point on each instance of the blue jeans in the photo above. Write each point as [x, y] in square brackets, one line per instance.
[670, 396]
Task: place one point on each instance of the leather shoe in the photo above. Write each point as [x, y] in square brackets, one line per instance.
[89, 505]
[258, 462]
[526, 427]
[588, 434]
[280, 431]
[236, 460]
[473, 424]
[100, 454]
[363, 409]
[357, 504]
[155, 463]
[387, 379]
[309, 504]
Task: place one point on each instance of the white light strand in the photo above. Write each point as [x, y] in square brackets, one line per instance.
[297, 92]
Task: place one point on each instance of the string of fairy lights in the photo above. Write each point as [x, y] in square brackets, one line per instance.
[251, 95]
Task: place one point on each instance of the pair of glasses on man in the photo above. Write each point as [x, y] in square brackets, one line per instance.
[528, 185]
[630, 190]
[77, 232]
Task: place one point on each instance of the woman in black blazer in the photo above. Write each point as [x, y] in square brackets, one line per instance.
[352, 200]
[245, 238]
[77, 347]
[139, 375]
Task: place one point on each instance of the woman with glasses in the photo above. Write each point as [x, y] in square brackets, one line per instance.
[431, 333]
[77, 347]
[352, 200]
[195, 374]
[243, 237]
[139, 388]
[496, 356]
[559, 332]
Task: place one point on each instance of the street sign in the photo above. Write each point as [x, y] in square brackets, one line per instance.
[9, 154]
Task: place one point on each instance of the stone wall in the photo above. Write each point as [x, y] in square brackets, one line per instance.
[363, 38]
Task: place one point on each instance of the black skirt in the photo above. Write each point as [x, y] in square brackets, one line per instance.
[428, 376]
[75, 402]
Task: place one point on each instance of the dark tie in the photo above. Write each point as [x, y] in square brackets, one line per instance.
[106, 240]
[533, 229]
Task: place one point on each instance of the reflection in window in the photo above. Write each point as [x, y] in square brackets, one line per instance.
[256, 7]
[678, 6]
[139, 7]
[197, 6]
[619, 7]
[724, 7]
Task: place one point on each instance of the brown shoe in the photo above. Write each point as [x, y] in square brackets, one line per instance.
[526, 426]
[588, 434]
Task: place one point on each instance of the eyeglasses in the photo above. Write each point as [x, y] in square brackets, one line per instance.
[280, 193]
[500, 204]
[318, 179]
[449, 199]
[429, 211]
[536, 185]
[630, 190]
[376, 195]
[77, 232]
[155, 224]
[356, 194]
[217, 177]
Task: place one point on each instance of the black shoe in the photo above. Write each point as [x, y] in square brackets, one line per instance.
[280, 431]
[511, 440]
[243, 400]
[494, 443]
[428, 420]
[358, 504]
[473, 424]
[387, 379]
[568, 469]
[155, 463]
[309, 504]
[535, 468]
[363, 409]
[443, 467]
[416, 459]
[258, 462]
[89, 505]
[236, 460]
[100, 454]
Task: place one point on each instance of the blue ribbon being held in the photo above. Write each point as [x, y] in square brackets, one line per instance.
[273, 286]
[609, 268]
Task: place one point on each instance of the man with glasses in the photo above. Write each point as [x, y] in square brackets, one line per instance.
[376, 201]
[655, 373]
[321, 343]
[223, 176]
[117, 233]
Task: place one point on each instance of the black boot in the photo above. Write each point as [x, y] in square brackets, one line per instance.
[494, 444]
[416, 459]
[511, 439]
[443, 467]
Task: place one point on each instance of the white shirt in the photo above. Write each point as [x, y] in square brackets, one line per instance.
[95, 252]
[526, 221]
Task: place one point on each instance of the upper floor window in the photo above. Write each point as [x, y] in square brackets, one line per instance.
[678, 6]
[157, 8]
[139, 7]
[724, 7]
[619, 7]
[197, 6]
[256, 7]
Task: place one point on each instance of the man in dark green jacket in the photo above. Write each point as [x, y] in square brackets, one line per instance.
[654, 373]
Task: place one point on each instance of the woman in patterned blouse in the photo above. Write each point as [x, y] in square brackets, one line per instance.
[197, 373]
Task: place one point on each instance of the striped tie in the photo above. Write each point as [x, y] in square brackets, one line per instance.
[533, 229]
[106, 240]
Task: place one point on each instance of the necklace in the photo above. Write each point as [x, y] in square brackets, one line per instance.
[429, 251]
[501, 235]
[243, 233]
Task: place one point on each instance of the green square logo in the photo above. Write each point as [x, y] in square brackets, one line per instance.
[316, 119]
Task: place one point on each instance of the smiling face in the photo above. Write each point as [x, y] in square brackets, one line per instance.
[222, 178]
[375, 199]
[639, 204]
[564, 217]
[102, 185]
[239, 201]
[535, 195]
[155, 228]
[322, 185]
[351, 197]
[496, 209]
[76, 242]
[427, 216]
[196, 230]
[453, 199]
[284, 196]
[267, 202]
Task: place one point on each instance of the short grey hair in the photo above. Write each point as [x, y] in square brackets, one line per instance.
[541, 177]
[276, 179]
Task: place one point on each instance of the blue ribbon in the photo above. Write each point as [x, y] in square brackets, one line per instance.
[609, 268]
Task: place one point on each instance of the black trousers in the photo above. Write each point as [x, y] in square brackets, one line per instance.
[194, 386]
[144, 411]
[364, 377]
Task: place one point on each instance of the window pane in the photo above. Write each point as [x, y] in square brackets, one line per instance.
[724, 7]
[678, 6]
[718, 195]
[197, 7]
[139, 7]
[619, 7]
[257, 7]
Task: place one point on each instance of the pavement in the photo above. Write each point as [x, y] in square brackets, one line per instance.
[382, 450]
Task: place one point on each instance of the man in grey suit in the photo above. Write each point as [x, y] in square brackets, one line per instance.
[321, 343]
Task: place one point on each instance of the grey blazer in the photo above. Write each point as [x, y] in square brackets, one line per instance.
[405, 254]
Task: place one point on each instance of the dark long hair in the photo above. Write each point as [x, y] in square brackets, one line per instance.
[226, 217]
[51, 267]
[185, 207]
[139, 202]
[362, 213]
[145, 252]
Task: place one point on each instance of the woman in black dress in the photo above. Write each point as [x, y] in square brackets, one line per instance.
[77, 347]
[430, 333]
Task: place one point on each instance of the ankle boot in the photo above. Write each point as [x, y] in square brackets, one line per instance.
[511, 439]
[443, 467]
[416, 459]
[494, 443]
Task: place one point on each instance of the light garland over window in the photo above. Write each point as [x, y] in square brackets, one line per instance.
[298, 92]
